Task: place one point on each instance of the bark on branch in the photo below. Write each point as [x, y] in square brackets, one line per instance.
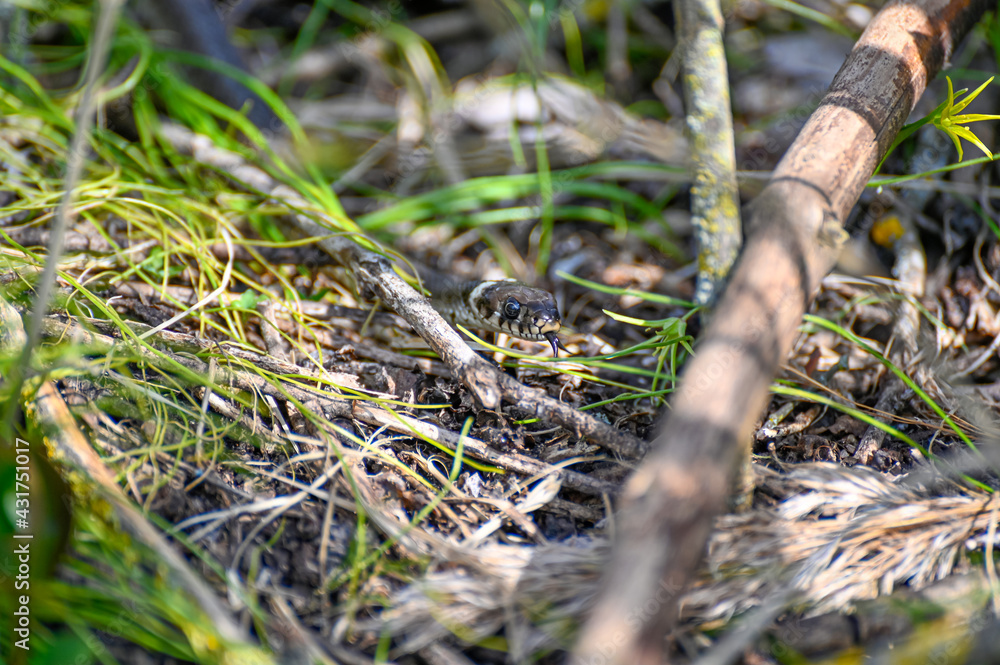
[793, 233]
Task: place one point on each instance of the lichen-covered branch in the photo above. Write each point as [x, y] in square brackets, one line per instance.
[715, 201]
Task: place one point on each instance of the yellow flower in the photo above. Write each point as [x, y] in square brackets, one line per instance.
[951, 124]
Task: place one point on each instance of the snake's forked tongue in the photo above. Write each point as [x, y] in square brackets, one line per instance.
[556, 344]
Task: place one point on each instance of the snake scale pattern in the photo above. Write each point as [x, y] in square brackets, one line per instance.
[500, 306]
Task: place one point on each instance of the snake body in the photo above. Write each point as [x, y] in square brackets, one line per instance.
[499, 305]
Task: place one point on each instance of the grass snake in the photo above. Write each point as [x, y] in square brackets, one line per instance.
[498, 305]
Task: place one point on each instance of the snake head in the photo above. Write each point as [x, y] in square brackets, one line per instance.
[517, 309]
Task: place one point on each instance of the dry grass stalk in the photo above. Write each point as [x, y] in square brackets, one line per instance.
[837, 536]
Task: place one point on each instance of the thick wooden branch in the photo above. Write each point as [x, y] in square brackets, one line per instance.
[793, 233]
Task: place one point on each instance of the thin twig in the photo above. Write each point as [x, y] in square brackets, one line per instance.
[518, 463]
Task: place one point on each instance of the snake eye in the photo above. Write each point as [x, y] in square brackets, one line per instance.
[511, 308]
